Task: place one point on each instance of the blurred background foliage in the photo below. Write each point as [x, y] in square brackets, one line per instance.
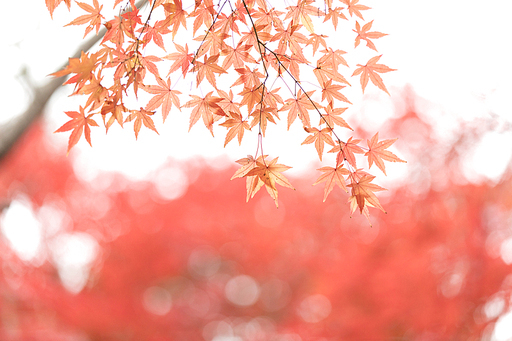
[181, 256]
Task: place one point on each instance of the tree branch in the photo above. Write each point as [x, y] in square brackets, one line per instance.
[12, 131]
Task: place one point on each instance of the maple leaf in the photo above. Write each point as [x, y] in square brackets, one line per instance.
[97, 92]
[206, 107]
[237, 56]
[227, 103]
[113, 105]
[164, 96]
[203, 15]
[262, 116]
[299, 106]
[251, 97]
[346, 151]
[83, 67]
[369, 71]
[319, 137]
[52, 4]
[181, 59]
[362, 33]
[316, 40]
[154, 33]
[122, 25]
[94, 17]
[354, 8]
[332, 91]
[212, 43]
[208, 69]
[141, 117]
[333, 15]
[377, 152]
[301, 13]
[238, 127]
[332, 58]
[331, 117]
[362, 191]
[175, 15]
[79, 123]
[332, 176]
[269, 173]
[248, 78]
[252, 183]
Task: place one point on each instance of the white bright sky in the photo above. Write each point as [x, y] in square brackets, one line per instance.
[454, 53]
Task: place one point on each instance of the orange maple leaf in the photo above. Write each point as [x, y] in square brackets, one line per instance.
[331, 91]
[301, 13]
[369, 71]
[175, 15]
[316, 40]
[332, 176]
[299, 106]
[181, 59]
[362, 33]
[208, 69]
[204, 15]
[94, 17]
[333, 15]
[164, 96]
[154, 33]
[79, 123]
[269, 174]
[331, 117]
[251, 96]
[354, 8]
[248, 164]
[238, 56]
[377, 152]
[362, 191]
[114, 106]
[261, 116]
[83, 67]
[207, 107]
[52, 4]
[346, 151]
[238, 127]
[97, 92]
[248, 78]
[141, 117]
[227, 103]
[319, 137]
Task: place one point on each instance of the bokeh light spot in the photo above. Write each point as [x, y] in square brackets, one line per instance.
[157, 300]
[242, 290]
[315, 308]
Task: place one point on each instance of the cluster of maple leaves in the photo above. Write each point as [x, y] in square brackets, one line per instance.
[245, 38]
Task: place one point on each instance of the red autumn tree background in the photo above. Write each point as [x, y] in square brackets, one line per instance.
[180, 256]
[208, 266]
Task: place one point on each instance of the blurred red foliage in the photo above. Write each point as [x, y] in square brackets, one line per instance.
[208, 266]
